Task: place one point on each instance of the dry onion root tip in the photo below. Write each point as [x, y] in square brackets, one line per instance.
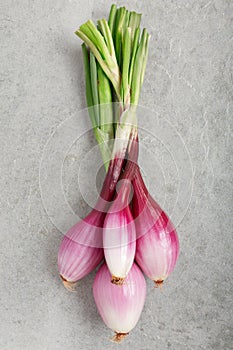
[118, 337]
[70, 286]
[159, 284]
[118, 281]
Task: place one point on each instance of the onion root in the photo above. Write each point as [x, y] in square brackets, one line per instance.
[118, 337]
[118, 281]
[70, 286]
[159, 284]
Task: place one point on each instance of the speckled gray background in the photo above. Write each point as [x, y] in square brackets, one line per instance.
[188, 82]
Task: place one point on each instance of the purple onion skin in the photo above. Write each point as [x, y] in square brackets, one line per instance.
[157, 246]
[120, 306]
[81, 249]
[119, 236]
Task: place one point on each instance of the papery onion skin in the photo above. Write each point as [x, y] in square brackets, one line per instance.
[120, 306]
[157, 241]
[119, 236]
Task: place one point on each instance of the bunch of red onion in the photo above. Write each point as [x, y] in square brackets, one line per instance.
[127, 230]
[137, 237]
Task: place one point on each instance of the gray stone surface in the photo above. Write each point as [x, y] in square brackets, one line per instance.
[188, 83]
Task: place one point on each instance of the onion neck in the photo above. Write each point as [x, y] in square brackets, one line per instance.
[125, 138]
[109, 185]
[139, 184]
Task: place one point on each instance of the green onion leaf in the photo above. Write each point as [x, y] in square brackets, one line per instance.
[95, 96]
[112, 18]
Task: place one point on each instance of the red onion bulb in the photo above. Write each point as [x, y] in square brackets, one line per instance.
[81, 249]
[119, 235]
[120, 306]
[157, 241]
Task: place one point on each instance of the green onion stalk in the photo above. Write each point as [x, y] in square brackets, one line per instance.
[115, 55]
